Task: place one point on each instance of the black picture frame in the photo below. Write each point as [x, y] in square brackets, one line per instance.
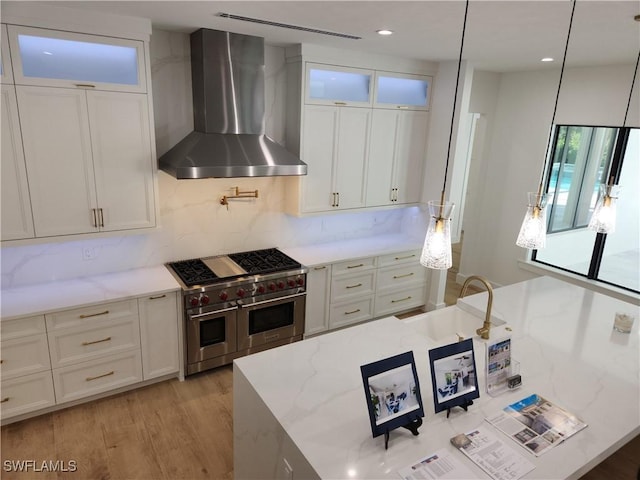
[392, 390]
[454, 376]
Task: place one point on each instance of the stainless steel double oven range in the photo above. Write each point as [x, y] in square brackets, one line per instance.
[239, 304]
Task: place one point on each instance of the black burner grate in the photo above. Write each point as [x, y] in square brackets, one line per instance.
[264, 261]
[193, 272]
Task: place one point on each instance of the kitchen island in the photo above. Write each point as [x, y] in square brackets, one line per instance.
[300, 410]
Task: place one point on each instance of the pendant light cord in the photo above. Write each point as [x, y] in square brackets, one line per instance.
[555, 107]
[453, 113]
[633, 81]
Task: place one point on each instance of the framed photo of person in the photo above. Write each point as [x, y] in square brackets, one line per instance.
[393, 395]
[453, 375]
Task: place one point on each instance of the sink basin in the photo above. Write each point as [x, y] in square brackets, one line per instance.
[444, 326]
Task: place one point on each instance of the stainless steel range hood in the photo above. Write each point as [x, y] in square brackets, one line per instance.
[228, 112]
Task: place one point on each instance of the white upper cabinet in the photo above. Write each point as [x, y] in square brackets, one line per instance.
[402, 91]
[333, 85]
[17, 221]
[64, 59]
[6, 74]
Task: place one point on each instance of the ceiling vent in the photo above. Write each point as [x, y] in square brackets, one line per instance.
[286, 25]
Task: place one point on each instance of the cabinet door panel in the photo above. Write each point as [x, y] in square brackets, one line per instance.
[28, 393]
[384, 130]
[317, 315]
[159, 335]
[318, 152]
[353, 139]
[58, 156]
[17, 221]
[122, 159]
[410, 155]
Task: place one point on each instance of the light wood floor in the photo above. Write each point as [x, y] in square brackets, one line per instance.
[173, 430]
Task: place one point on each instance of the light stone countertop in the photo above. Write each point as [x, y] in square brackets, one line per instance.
[50, 297]
[312, 255]
[312, 405]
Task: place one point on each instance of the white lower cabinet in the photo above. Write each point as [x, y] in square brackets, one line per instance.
[353, 291]
[68, 355]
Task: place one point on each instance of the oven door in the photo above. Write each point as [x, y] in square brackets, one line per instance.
[211, 334]
[269, 321]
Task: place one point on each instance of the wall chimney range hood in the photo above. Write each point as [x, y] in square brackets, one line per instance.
[228, 114]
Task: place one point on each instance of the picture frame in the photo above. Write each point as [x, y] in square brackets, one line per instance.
[454, 377]
[392, 391]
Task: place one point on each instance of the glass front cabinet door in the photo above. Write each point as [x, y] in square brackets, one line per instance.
[64, 59]
[404, 91]
[333, 85]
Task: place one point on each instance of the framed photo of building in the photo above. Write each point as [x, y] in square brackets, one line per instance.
[392, 391]
[453, 375]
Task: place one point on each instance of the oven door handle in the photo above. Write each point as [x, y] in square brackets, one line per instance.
[212, 313]
[273, 300]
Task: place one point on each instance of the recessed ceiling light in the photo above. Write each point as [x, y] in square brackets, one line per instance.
[546, 59]
[384, 32]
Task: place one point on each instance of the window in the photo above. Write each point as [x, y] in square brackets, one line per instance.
[583, 157]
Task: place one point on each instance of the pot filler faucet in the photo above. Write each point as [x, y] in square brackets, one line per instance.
[486, 326]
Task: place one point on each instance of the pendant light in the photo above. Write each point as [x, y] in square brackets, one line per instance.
[436, 253]
[533, 232]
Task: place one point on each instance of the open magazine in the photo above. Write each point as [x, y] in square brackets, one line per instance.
[536, 423]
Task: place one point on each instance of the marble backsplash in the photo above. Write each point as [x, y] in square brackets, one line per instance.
[192, 223]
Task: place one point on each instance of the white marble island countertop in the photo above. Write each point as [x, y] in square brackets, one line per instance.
[302, 407]
[84, 291]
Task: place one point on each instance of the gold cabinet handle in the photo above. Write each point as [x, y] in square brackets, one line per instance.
[354, 286]
[402, 276]
[84, 85]
[339, 103]
[351, 312]
[402, 106]
[5, 400]
[338, 203]
[402, 299]
[95, 217]
[356, 266]
[157, 297]
[405, 257]
[106, 312]
[320, 268]
[88, 379]
[84, 344]
[333, 201]
[101, 215]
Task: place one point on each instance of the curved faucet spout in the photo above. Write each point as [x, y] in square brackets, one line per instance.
[486, 326]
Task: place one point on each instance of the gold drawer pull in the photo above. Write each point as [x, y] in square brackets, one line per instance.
[402, 276]
[356, 266]
[84, 85]
[353, 311]
[339, 103]
[354, 286]
[106, 312]
[401, 300]
[88, 379]
[157, 297]
[84, 344]
[405, 257]
[320, 268]
[5, 400]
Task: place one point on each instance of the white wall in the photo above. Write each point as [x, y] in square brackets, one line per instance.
[193, 223]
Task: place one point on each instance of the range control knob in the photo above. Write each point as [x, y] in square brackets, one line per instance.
[261, 289]
[223, 296]
[291, 282]
[241, 292]
[194, 302]
[272, 286]
[204, 300]
[300, 281]
[280, 284]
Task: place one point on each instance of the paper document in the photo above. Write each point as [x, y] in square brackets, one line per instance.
[441, 464]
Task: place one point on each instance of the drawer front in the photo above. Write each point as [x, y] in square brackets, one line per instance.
[22, 327]
[350, 286]
[398, 301]
[353, 266]
[409, 256]
[87, 315]
[26, 394]
[24, 355]
[351, 312]
[73, 345]
[402, 275]
[97, 376]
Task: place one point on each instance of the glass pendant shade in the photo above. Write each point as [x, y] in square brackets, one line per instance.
[533, 232]
[436, 252]
[603, 219]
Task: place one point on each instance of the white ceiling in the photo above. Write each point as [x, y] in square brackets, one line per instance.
[503, 35]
